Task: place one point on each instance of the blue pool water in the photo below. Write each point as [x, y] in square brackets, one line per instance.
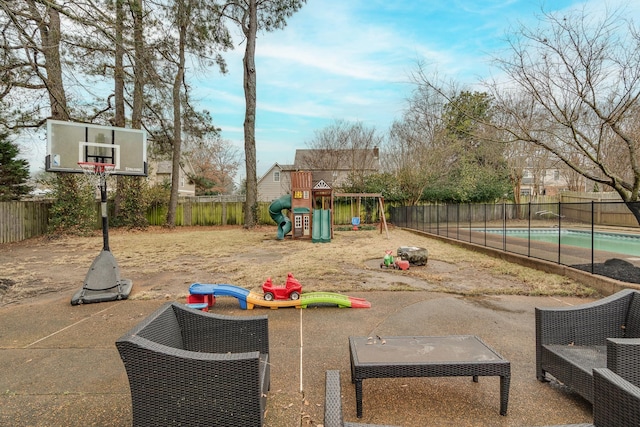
[604, 241]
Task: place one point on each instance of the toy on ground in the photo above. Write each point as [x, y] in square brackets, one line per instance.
[389, 262]
[203, 296]
[291, 289]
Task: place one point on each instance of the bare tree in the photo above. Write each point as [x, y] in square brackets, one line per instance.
[449, 148]
[415, 150]
[344, 146]
[579, 75]
[410, 157]
[251, 16]
[574, 180]
[215, 162]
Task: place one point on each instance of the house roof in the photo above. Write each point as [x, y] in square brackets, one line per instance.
[282, 167]
[337, 160]
[164, 167]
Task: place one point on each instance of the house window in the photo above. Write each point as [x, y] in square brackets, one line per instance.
[556, 175]
[276, 176]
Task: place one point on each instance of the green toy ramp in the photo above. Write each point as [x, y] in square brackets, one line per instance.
[329, 298]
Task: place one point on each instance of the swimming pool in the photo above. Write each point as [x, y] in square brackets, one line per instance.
[621, 243]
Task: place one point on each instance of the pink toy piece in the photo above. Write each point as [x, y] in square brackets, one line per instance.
[402, 264]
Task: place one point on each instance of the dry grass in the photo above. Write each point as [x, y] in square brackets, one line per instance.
[163, 262]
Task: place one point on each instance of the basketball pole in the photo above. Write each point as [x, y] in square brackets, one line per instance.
[103, 210]
[95, 150]
[103, 281]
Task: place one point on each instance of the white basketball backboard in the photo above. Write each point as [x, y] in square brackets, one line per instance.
[69, 143]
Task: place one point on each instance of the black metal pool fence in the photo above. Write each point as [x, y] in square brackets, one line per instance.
[599, 237]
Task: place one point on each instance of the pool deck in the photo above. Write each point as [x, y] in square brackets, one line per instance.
[61, 367]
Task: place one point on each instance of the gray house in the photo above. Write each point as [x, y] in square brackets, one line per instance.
[331, 166]
[275, 182]
[160, 172]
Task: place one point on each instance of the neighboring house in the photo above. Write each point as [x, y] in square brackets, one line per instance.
[335, 166]
[544, 182]
[160, 172]
[275, 182]
[331, 166]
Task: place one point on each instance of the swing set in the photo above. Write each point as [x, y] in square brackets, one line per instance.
[355, 214]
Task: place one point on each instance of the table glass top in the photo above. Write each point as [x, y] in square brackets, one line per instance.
[447, 349]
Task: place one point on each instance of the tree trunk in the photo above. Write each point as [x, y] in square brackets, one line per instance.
[118, 73]
[251, 202]
[118, 77]
[140, 63]
[634, 207]
[50, 35]
[177, 129]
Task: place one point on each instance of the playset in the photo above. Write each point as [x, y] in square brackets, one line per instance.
[307, 212]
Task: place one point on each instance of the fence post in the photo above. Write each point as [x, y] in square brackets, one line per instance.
[485, 224]
[446, 218]
[559, 230]
[470, 214]
[529, 231]
[224, 214]
[592, 237]
[504, 227]
[458, 221]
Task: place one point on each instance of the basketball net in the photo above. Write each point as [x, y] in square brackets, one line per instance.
[97, 173]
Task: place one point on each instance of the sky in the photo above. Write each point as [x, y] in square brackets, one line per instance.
[352, 60]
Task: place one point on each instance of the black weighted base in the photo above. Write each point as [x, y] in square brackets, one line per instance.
[103, 282]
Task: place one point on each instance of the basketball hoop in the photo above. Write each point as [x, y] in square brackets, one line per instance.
[97, 172]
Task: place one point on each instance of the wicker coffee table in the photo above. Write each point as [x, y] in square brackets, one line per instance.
[447, 356]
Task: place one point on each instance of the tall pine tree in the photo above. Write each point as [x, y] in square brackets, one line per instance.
[13, 171]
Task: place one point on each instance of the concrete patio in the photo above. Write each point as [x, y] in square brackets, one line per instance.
[60, 366]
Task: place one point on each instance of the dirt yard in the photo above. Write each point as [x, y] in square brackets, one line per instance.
[162, 263]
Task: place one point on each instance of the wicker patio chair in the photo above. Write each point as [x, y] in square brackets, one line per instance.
[333, 403]
[616, 401]
[190, 368]
[572, 341]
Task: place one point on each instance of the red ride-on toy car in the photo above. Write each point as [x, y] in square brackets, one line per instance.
[291, 289]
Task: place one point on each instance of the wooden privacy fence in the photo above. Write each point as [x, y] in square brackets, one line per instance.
[22, 220]
[207, 213]
[203, 212]
[25, 219]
